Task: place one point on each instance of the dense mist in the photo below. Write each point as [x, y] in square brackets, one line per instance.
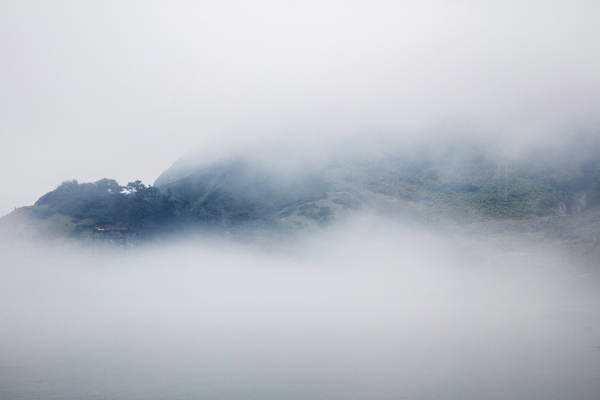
[336, 226]
[367, 309]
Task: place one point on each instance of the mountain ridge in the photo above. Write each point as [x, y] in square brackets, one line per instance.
[551, 190]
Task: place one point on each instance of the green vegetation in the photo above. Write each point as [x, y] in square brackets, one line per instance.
[137, 207]
[453, 184]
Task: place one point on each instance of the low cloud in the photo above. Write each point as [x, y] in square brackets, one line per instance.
[368, 306]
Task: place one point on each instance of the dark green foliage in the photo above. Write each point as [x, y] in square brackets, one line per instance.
[104, 203]
[146, 208]
[98, 202]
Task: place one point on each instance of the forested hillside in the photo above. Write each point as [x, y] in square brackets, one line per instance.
[468, 185]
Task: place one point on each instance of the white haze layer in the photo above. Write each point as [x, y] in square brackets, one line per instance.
[363, 310]
[120, 89]
[367, 309]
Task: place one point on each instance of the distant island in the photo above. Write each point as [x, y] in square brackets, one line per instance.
[552, 191]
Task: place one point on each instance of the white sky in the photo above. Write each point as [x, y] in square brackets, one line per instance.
[122, 89]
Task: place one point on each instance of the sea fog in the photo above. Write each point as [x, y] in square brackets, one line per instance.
[366, 309]
[369, 308]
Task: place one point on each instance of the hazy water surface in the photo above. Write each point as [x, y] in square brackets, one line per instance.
[375, 313]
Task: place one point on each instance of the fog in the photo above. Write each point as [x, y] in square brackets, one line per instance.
[367, 309]
[122, 89]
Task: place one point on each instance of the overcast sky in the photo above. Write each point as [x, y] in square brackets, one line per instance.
[122, 89]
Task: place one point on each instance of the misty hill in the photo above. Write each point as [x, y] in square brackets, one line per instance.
[552, 190]
[239, 192]
[458, 182]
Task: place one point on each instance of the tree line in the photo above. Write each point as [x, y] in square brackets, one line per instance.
[135, 206]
